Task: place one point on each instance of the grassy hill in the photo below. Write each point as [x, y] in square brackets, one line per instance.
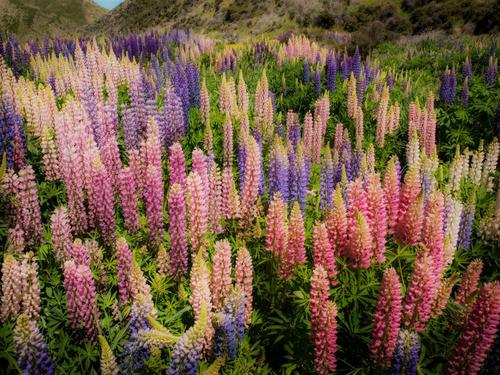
[31, 18]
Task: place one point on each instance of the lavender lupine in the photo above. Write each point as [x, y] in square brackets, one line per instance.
[326, 181]
[465, 231]
[406, 354]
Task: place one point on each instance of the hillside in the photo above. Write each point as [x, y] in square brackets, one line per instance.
[27, 18]
[369, 21]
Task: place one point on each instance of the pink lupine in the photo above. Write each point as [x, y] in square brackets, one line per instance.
[103, 202]
[277, 227]
[215, 198]
[124, 267]
[221, 273]
[110, 156]
[408, 226]
[433, 231]
[252, 177]
[392, 191]
[478, 333]
[323, 252]
[199, 165]
[336, 222]
[228, 141]
[378, 214]
[244, 280]
[81, 298]
[319, 296]
[139, 288]
[128, 198]
[78, 253]
[135, 163]
[28, 269]
[198, 211]
[382, 117]
[153, 199]
[339, 137]
[421, 293]
[359, 243]
[243, 101]
[15, 239]
[177, 165]
[177, 230]
[50, 156]
[230, 198]
[387, 319]
[466, 293]
[430, 134]
[11, 288]
[296, 237]
[60, 228]
[151, 148]
[358, 200]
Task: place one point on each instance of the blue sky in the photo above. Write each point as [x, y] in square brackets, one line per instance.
[108, 4]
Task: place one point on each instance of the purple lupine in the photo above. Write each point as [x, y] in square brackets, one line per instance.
[306, 71]
[172, 126]
[406, 354]
[467, 69]
[293, 128]
[361, 86]
[293, 176]
[304, 165]
[331, 72]
[317, 80]
[356, 63]
[326, 181]
[181, 87]
[277, 171]
[491, 73]
[465, 231]
[12, 137]
[230, 327]
[390, 81]
[241, 162]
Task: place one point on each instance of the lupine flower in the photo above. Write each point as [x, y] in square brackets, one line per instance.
[128, 198]
[198, 211]
[490, 164]
[28, 270]
[157, 337]
[61, 233]
[277, 229]
[467, 68]
[221, 273]
[323, 252]
[325, 341]
[382, 123]
[177, 229]
[250, 190]
[124, 267]
[139, 286]
[478, 333]
[304, 172]
[491, 73]
[406, 353]
[81, 298]
[443, 295]
[465, 231]
[359, 244]
[433, 231]
[215, 198]
[331, 72]
[230, 204]
[242, 94]
[317, 80]
[15, 139]
[204, 104]
[278, 171]
[319, 296]
[108, 360]
[50, 158]
[392, 186]
[410, 219]
[153, 199]
[326, 181]
[31, 349]
[352, 99]
[187, 351]
[466, 293]
[420, 294]
[102, 198]
[199, 165]
[177, 165]
[453, 209]
[244, 280]
[336, 222]
[12, 283]
[378, 215]
[386, 319]
[306, 71]
[296, 235]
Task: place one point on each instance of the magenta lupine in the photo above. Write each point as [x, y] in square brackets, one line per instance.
[359, 241]
[466, 293]
[244, 280]
[81, 299]
[378, 213]
[11, 288]
[128, 198]
[358, 200]
[387, 319]
[198, 211]
[177, 230]
[296, 236]
[60, 228]
[228, 141]
[323, 252]
[336, 222]
[478, 333]
[392, 187]
[221, 273]
[433, 230]
[252, 177]
[421, 293]
[78, 253]
[103, 202]
[325, 340]
[124, 267]
[177, 165]
[215, 198]
[153, 199]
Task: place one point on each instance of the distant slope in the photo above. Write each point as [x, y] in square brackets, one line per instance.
[370, 21]
[27, 18]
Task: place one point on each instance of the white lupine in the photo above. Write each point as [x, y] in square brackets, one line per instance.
[454, 211]
[465, 163]
[490, 164]
[413, 152]
[476, 167]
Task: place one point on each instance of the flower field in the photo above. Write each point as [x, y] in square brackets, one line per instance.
[173, 204]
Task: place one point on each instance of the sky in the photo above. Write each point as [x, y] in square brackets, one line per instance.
[108, 4]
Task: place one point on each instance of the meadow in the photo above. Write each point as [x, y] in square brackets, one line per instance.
[171, 203]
